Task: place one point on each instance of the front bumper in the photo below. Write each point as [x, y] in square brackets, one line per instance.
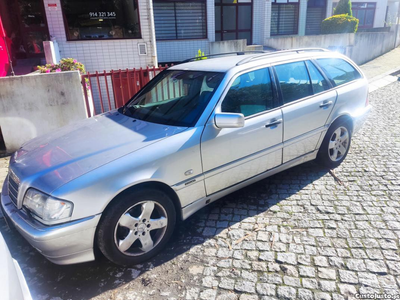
[360, 118]
[62, 244]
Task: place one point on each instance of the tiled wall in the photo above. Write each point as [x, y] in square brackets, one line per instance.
[302, 16]
[174, 51]
[268, 12]
[104, 54]
[259, 20]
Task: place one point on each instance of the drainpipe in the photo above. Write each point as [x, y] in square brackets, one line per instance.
[152, 33]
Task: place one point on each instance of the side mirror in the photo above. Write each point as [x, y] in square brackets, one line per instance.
[229, 120]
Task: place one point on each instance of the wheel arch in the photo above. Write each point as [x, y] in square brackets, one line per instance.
[345, 117]
[158, 185]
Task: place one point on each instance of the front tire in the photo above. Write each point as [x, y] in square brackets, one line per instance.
[136, 226]
[335, 145]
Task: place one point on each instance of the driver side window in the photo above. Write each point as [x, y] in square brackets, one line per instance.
[251, 93]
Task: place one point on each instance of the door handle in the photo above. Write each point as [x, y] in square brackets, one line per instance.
[325, 104]
[274, 123]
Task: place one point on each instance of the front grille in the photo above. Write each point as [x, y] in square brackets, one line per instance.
[13, 186]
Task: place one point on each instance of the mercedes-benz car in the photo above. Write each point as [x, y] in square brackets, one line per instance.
[120, 181]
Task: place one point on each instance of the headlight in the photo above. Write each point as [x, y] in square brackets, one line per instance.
[46, 207]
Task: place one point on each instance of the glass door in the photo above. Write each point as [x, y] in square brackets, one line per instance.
[233, 20]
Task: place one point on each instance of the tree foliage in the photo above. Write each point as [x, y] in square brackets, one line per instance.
[343, 8]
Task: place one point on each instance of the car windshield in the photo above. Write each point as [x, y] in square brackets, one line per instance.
[175, 98]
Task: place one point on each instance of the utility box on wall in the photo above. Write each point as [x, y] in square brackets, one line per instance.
[52, 52]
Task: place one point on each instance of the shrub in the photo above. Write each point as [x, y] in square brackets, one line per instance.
[339, 24]
[66, 64]
[343, 8]
[200, 55]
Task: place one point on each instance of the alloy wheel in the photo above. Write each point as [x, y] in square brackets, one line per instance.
[338, 144]
[140, 228]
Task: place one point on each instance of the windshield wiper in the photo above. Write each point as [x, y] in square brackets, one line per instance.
[126, 111]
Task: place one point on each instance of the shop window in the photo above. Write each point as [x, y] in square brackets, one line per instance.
[364, 12]
[180, 20]
[285, 17]
[104, 19]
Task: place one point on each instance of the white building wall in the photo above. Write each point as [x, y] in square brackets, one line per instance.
[101, 55]
[380, 13]
[211, 20]
[258, 22]
[329, 8]
[302, 17]
[393, 10]
[268, 13]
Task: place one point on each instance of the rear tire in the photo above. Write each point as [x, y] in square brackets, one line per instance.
[336, 144]
[136, 226]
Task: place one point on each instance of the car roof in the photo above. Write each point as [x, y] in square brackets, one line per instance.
[226, 63]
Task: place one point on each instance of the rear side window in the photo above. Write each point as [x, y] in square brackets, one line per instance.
[338, 70]
[250, 93]
[318, 81]
[294, 81]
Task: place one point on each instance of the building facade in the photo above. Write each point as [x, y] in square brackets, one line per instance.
[119, 34]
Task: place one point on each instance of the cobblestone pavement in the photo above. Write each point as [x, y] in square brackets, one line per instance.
[302, 234]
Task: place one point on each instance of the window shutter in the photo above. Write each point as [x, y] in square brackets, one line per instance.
[164, 20]
[190, 20]
[179, 20]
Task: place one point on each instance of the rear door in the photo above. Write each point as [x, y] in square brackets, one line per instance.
[307, 103]
[232, 155]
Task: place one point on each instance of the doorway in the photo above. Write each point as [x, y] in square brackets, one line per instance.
[33, 28]
[233, 20]
[25, 27]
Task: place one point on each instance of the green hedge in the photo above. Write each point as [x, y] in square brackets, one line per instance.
[339, 24]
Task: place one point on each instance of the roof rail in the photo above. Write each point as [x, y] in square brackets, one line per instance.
[220, 54]
[298, 50]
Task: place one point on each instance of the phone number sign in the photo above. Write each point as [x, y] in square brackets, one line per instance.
[103, 15]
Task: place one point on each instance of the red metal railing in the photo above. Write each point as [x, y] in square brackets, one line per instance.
[105, 91]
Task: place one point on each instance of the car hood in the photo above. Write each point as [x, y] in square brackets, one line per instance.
[49, 161]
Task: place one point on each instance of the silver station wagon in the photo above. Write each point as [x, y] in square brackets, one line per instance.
[119, 182]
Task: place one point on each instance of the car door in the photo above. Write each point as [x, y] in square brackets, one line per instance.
[232, 155]
[307, 103]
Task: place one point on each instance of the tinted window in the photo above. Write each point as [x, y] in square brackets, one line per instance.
[318, 81]
[294, 81]
[250, 93]
[176, 98]
[338, 70]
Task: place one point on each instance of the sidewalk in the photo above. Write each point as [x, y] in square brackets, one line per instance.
[382, 65]
[378, 70]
